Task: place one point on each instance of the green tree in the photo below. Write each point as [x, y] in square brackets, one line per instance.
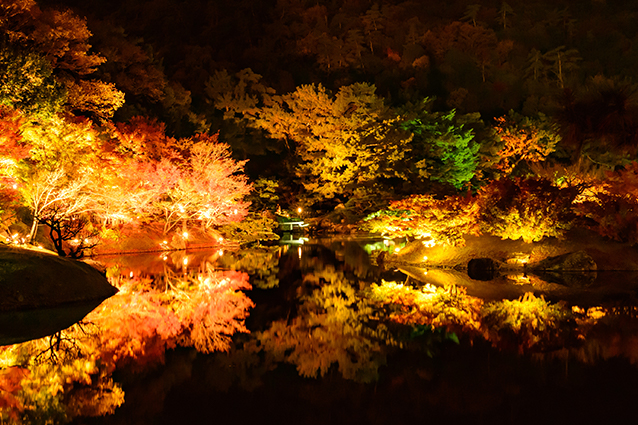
[445, 149]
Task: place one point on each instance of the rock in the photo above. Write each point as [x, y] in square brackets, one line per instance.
[31, 279]
[571, 262]
[574, 269]
[482, 269]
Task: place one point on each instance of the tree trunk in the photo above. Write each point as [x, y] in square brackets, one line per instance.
[34, 230]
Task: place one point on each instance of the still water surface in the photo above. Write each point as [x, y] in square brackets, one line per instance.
[330, 337]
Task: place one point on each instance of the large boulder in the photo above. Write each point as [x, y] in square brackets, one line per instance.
[578, 261]
[32, 279]
[574, 269]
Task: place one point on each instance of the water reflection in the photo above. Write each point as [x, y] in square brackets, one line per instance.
[68, 374]
[25, 325]
[292, 329]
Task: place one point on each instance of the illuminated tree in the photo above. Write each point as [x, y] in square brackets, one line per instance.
[527, 323]
[531, 208]
[12, 150]
[69, 374]
[524, 140]
[27, 82]
[44, 190]
[12, 147]
[58, 171]
[93, 97]
[179, 180]
[53, 379]
[144, 138]
[340, 141]
[445, 220]
[449, 307]
[443, 148]
[610, 206]
[60, 38]
[202, 310]
[71, 234]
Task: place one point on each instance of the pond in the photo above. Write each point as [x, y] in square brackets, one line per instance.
[314, 331]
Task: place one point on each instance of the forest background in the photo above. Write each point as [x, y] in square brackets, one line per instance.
[432, 120]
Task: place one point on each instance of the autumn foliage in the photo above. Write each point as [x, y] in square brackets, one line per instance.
[524, 140]
[203, 310]
[450, 308]
[526, 324]
[611, 205]
[330, 330]
[423, 216]
[179, 181]
[531, 209]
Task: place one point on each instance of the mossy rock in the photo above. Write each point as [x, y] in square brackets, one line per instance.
[32, 279]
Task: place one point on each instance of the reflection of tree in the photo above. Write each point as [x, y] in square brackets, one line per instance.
[439, 307]
[530, 322]
[201, 310]
[332, 327]
[604, 333]
[54, 379]
[527, 324]
[262, 264]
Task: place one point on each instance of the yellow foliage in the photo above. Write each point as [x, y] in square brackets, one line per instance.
[531, 318]
[447, 307]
